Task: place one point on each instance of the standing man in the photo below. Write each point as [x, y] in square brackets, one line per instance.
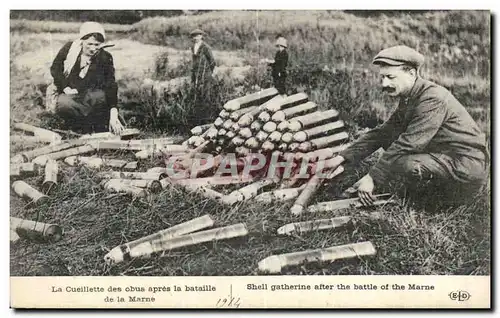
[84, 90]
[430, 139]
[279, 65]
[203, 64]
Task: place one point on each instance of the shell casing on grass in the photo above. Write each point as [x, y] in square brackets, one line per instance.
[273, 104]
[42, 134]
[26, 140]
[159, 152]
[305, 146]
[132, 175]
[245, 120]
[299, 156]
[311, 186]
[227, 124]
[243, 151]
[29, 155]
[264, 117]
[313, 119]
[36, 230]
[275, 136]
[153, 185]
[329, 140]
[128, 133]
[146, 249]
[288, 102]
[261, 136]
[269, 127]
[208, 181]
[275, 263]
[283, 146]
[252, 143]
[293, 147]
[328, 206]
[50, 181]
[235, 116]
[289, 113]
[283, 126]
[90, 162]
[264, 106]
[132, 165]
[212, 133]
[318, 131]
[139, 144]
[218, 122]
[14, 237]
[124, 188]
[245, 133]
[280, 195]
[205, 191]
[23, 169]
[247, 192]
[116, 163]
[224, 114]
[248, 100]
[314, 225]
[157, 170]
[235, 127]
[221, 140]
[288, 156]
[27, 192]
[198, 130]
[237, 141]
[268, 146]
[230, 134]
[256, 126]
[191, 140]
[17, 159]
[122, 252]
[199, 142]
[222, 132]
[102, 135]
[287, 137]
[42, 160]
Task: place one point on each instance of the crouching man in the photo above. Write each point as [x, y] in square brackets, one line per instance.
[84, 90]
[430, 140]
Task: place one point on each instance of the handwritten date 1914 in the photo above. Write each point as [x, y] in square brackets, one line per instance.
[229, 301]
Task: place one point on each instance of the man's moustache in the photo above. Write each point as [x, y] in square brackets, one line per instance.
[388, 89]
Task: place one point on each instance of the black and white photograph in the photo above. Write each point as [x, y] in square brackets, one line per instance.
[250, 143]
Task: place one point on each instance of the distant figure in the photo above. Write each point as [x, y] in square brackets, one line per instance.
[279, 64]
[431, 142]
[203, 64]
[84, 91]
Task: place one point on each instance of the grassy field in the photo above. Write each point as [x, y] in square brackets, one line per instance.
[408, 240]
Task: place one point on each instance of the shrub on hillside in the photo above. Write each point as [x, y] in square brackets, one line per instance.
[445, 37]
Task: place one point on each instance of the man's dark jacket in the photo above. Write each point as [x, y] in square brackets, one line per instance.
[429, 120]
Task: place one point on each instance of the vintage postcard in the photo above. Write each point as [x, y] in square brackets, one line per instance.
[250, 159]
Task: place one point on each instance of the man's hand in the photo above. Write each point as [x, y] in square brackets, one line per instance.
[115, 126]
[70, 91]
[365, 187]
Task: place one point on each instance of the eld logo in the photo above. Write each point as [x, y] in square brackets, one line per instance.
[460, 295]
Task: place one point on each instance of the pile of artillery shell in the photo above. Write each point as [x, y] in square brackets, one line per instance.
[267, 122]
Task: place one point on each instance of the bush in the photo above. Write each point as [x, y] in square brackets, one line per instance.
[177, 112]
[335, 37]
[104, 16]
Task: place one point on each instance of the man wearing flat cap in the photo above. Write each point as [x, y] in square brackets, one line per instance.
[203, 64]
[430, 140]
[84, 90]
